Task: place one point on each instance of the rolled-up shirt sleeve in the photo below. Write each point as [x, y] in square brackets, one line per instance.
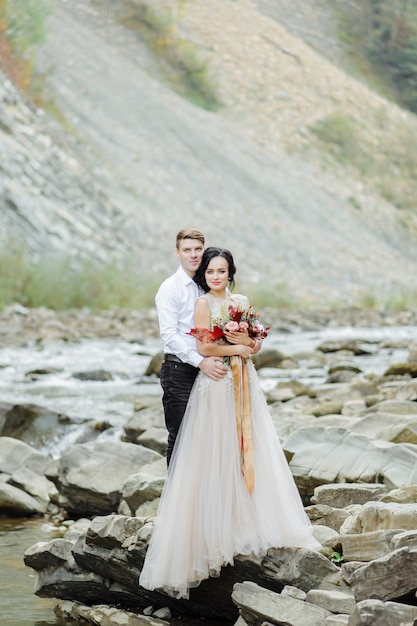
[175, 303]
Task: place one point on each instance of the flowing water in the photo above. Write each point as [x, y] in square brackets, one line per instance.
[112, 401]
[18, 604]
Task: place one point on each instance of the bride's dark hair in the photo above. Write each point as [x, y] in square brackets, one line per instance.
[209, 254]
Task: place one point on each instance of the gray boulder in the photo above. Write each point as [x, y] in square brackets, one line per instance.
[24, 490]
[402, 495]
[102, 566]
[374, 516]
[154, 438]
[154, 365]
[16, 503]
[402, 369]
[386, 578]
[33, 424]
[150, 417]
[145, 486]
[367, 546]
[378, 613]
[322, 514]
[50, 554]
[15, 454]
[103, 615]
[37, 486]
[340, 495]
[330, 455]
[260, 606]
[268, 357]
[334, 601]
[90, 476]
[406, 391]
[298, 567]
[399, 406]
[394, 427]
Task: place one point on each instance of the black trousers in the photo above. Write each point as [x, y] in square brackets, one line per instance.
[177, 380]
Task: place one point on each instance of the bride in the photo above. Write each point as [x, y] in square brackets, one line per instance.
[229, 489]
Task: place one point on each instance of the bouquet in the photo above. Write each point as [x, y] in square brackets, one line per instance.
[236, 319]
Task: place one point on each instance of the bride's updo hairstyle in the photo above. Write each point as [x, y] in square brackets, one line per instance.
[209, 254]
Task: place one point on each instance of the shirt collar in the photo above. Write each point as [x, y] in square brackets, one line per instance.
[186, 278]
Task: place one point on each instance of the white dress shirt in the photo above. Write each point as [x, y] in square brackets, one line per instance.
[175, 302]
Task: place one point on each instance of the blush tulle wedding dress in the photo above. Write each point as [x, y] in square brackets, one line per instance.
[206, 514]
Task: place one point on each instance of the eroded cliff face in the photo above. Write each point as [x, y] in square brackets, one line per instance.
[137, 162]
[53, 197]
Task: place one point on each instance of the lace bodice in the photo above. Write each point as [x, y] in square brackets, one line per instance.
[219, 306]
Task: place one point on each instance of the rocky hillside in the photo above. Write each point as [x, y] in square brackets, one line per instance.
[135, 162]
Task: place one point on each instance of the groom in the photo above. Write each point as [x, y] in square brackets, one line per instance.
[175, 301]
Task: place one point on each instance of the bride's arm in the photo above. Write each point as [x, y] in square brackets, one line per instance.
[202, 320]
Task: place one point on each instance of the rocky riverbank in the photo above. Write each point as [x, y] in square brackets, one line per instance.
[23, 326]
[351, 442]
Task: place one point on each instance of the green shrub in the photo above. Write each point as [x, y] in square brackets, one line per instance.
[386, 160]
[60, 283]
[12, 274]
[262, 296]
[182, 64]
[22, 30]
[336, 557]
[385, 33]
[339, 132]
[388, 300]
[25, 21]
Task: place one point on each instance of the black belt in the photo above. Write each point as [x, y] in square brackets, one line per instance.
[172, 357]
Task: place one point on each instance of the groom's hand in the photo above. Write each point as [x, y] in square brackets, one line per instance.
[257, 346]
[213, 367]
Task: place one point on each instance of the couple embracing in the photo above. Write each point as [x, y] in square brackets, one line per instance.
[229, 490]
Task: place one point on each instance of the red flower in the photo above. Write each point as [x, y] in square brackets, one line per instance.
[205, 335]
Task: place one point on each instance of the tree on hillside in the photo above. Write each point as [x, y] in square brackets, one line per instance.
[22, 30]
[387, 30]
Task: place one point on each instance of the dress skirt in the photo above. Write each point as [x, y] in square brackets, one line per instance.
[206, 514]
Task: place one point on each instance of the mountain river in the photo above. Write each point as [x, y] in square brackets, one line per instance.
[113, 401]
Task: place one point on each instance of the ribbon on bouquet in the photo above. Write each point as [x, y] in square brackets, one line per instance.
[243, 420]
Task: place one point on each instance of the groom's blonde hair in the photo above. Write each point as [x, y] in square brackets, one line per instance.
[189, 233]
